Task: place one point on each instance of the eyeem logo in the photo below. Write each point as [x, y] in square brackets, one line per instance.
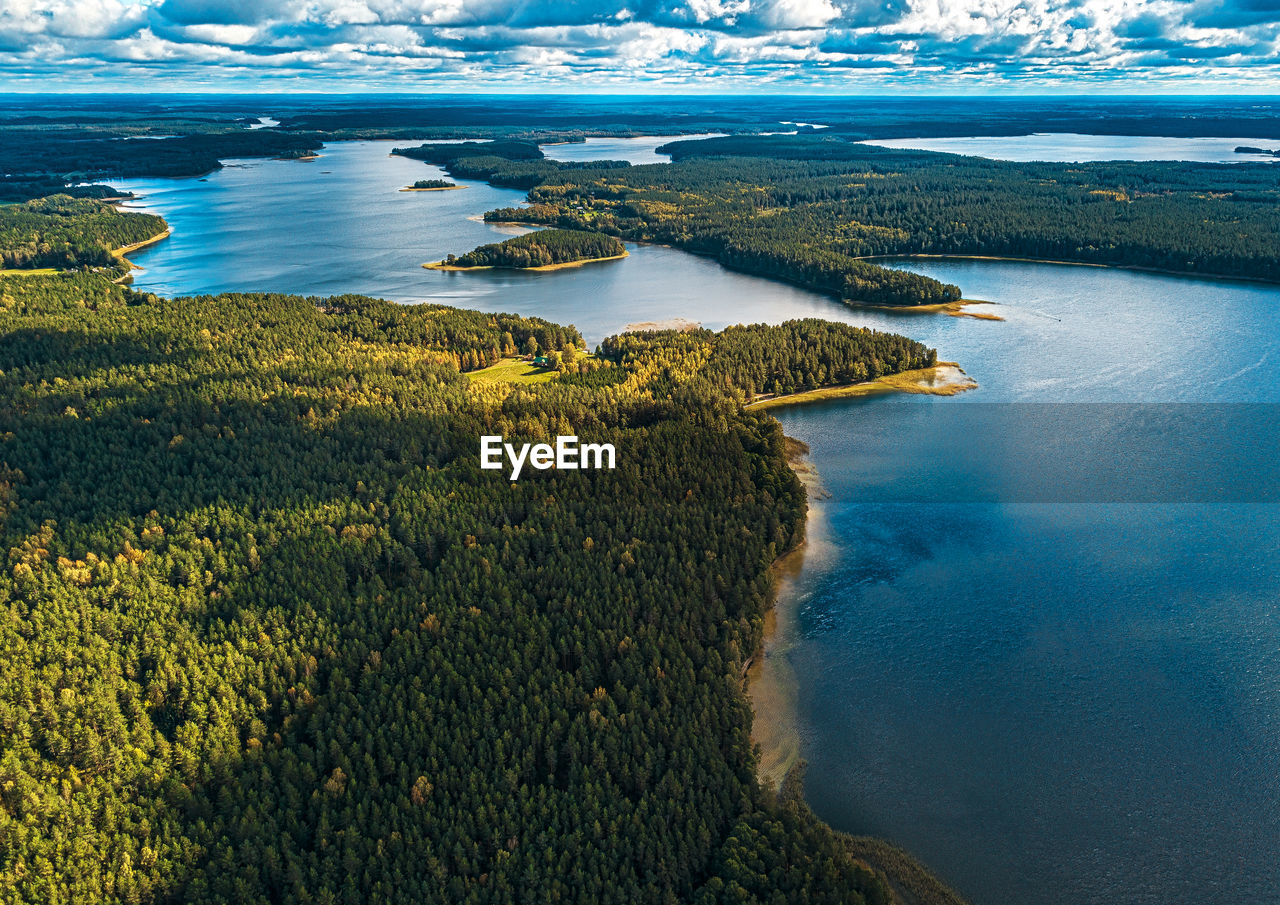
[566, 455]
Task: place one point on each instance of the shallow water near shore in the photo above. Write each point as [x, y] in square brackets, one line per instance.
[1046, 701]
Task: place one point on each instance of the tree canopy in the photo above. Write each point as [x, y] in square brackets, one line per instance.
[269, 634]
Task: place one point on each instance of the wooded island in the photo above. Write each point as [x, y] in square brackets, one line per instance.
[541, 250]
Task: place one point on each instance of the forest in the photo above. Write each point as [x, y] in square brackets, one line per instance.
[790, 357]
[54, 143]
[811, 210]
[443, 153]
[541, 249]
[268, 634]
[62, 232]
[36, 161]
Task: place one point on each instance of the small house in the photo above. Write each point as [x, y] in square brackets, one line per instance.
[542, 362]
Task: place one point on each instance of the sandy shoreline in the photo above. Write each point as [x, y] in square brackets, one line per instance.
[771, 685]
[125, 249]
[770, 682]
[441, 265]
[958, 308]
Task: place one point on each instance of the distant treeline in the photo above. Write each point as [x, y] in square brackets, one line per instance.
[524, 174]
[444, 152]
[540, 249]
[49, 155]
[467, 116]
[61, 231]
[809, 209]
[25, 188]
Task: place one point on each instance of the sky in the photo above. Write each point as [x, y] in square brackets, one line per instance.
[656, 46]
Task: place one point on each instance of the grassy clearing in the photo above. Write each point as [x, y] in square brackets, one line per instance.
[36, 272]
[510, 370]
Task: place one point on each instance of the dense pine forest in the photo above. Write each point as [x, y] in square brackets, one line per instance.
[541, 249]
[60, 231]
[269, 634]
[73, 156]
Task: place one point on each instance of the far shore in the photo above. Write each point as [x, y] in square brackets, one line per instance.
[441, 265]
[1135, 267]
[946, 378]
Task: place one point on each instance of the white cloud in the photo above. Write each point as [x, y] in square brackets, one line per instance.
[719, 41]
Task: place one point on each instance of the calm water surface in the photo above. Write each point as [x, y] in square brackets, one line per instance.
[1070, 146]
[1049, 702]
[636, 150]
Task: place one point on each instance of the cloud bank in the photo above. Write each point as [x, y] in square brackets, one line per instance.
[585, 45]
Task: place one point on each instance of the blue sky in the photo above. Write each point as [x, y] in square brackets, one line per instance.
[665, 46]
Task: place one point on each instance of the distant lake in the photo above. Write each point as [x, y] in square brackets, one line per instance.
[1047, 701]
[635, 150]
[1069, 146]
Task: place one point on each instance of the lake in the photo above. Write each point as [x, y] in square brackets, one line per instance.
[1073, 147]
[640, 149]
[1049, 696]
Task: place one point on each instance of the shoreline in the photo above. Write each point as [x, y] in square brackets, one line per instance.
[1134, 267]
[117, 253]
[768, 681]
[771, 688]
[123, 250]
[542, 268]
[126, 249]
[946, 378]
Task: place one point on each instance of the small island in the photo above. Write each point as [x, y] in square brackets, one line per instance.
[548, 249]
[1248, 149]
[432, 185]
[299, 154]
